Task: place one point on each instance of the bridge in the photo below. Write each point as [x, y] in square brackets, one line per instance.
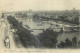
[65, 27]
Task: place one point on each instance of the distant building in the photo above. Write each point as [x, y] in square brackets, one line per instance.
[30, 15]
[79, 21]
[0, 14]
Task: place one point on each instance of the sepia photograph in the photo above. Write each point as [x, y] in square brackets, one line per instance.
[33, 26]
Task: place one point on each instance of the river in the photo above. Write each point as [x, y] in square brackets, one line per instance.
[45, 24]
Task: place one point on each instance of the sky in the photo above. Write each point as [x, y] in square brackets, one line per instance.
[37, 5]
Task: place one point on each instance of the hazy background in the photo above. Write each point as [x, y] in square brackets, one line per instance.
[18, 5]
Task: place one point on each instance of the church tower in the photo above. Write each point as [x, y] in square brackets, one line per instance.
[30, 16]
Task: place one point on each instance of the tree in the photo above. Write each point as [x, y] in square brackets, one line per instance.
[24, 15]
[62, 44]
[36, 17]
[76, 20]
[48, 38]
[79, 44]
[68, 43]
[74, 42]
[13, 22]
[24, 35]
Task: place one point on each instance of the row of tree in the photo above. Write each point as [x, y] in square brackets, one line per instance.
[69, 44]
[24, 35]
[49, 39]
[71, 18]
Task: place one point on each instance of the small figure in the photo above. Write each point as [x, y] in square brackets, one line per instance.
[56, 46]
[7, 42]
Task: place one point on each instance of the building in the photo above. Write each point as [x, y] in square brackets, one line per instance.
[79, 21]
[29, 15]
